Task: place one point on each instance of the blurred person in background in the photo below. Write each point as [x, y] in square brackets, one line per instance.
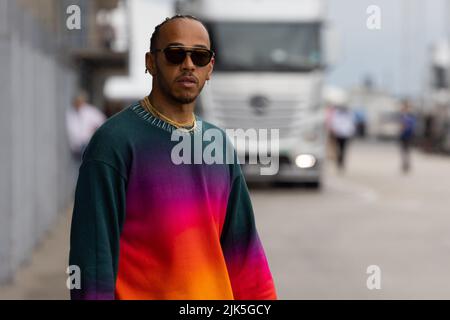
[428, 133]
[360, 123]
[82, 120]
[342, 129]
[145, 227]
[329, 112]
[442, 128]
[407, 130]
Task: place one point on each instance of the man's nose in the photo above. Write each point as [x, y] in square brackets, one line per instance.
[187, 63]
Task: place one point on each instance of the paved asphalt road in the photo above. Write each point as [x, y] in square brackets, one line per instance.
[319, 244]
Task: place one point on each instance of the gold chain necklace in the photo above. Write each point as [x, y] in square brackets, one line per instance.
[149, 107]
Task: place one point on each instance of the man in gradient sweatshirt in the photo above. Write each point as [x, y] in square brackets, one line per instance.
[144, 227]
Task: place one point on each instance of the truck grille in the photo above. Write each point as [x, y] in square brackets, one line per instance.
[285, 115]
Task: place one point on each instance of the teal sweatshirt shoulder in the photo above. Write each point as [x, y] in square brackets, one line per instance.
[111, 143]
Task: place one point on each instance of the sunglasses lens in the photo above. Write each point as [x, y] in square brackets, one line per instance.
[175, 55]
[201, 57]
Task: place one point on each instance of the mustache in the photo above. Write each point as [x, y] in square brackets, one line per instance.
[190, 75]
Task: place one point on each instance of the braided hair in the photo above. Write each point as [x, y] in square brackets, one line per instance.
[155, 35]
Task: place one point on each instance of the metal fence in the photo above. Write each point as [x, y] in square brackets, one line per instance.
[36, 170]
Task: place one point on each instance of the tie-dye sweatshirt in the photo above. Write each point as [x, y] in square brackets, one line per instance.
[146, 228]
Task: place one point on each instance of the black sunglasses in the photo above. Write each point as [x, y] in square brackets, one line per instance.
[176, 55]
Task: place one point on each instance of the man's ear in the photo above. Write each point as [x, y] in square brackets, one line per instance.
[150, 63]
[211, 68]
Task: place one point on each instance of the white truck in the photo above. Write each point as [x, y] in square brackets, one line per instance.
[268, 74]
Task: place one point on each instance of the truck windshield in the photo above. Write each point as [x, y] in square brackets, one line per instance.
[245, 46]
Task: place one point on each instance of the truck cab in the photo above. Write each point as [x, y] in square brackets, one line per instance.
[268, 74]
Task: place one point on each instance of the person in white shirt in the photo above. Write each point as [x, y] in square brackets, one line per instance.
[82, 120]
[343, 129]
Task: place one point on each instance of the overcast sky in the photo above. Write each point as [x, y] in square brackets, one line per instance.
[396, 55]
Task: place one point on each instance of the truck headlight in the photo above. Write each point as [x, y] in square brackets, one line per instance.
[305, 161]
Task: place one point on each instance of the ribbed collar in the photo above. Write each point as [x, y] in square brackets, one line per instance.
[157, 122]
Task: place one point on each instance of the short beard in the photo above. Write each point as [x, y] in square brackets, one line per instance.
[162, 83]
